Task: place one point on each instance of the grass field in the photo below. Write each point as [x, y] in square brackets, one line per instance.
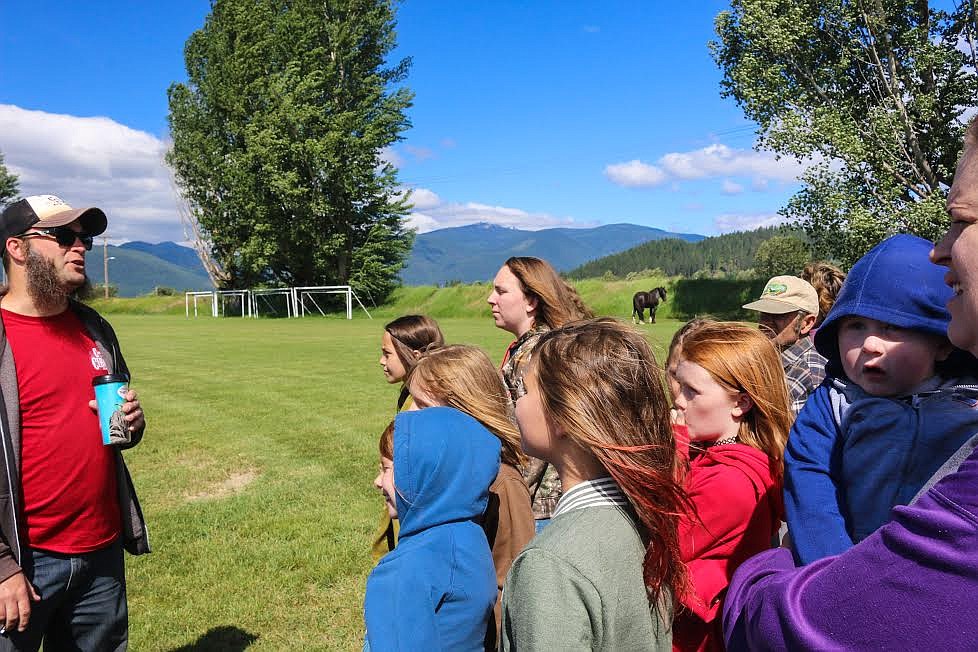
[255, 474]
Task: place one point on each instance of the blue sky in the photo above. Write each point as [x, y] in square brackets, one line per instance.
[526, 114]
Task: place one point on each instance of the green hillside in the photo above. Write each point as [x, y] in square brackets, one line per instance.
[728, 253]
[721, 298]
[136, 272]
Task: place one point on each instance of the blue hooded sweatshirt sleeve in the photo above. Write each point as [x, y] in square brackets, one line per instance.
[436, 589]
[851, 457]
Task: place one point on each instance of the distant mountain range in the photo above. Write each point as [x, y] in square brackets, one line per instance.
[475, 252]
[465, 253]
[137, 267]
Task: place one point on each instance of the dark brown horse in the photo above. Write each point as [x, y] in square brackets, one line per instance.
[650, 300]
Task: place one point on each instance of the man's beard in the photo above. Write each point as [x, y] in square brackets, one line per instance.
[44, 285]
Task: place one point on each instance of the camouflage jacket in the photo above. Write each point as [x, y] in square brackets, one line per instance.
[540, 476]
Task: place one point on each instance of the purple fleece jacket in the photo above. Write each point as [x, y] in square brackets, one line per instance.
[911, 585]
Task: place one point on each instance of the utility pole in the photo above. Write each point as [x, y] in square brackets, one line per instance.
[105, 263]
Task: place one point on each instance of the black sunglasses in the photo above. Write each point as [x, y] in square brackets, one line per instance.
[63, 235]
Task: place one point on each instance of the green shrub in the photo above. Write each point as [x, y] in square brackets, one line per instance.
[90, 292]
[720, 297]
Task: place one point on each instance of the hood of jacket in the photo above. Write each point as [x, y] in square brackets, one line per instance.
[896, 283]
[749, 460]
[444, 462]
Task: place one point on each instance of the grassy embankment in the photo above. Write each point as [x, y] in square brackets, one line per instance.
[461, 301]
[255, 475]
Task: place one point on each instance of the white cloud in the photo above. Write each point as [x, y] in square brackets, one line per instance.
[729, 222]
[431, 213]
[390, 155]
[713, 161]
[422, 223]
[719, 160]
[99, 162]
[635, 174]
[422, 198]
[731, 187]
[93, 162]
[419, 153]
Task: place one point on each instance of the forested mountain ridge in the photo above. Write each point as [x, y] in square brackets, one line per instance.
[729, 253]
[475, 252]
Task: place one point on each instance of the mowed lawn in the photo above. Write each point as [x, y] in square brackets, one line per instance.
[255, 476]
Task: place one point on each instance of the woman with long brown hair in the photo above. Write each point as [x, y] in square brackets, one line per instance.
[603, 574]
[463, 377]
[734, 403]
[528, 299]
[401, 345]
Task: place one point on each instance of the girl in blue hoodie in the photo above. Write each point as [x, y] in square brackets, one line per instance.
[436, 589]
[894, 407]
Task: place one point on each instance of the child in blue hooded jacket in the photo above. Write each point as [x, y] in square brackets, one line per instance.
[894, 407]
[436, 589]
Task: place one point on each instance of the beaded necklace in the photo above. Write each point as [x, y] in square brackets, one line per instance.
[725, 441]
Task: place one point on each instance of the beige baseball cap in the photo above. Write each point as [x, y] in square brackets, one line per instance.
[46, 211]
[784, 294]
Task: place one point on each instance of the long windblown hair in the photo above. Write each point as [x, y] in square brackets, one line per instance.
[557, 301]
[411, 333]
[599, 382]
[463, 377]
[827, 279]
[741, 359]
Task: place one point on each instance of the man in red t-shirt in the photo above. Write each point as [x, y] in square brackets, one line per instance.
[67, 505]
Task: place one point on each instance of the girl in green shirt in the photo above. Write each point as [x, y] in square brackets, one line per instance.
[603, 574]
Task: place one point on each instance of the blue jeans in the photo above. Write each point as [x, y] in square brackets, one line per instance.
[540, 524]
[83, 602]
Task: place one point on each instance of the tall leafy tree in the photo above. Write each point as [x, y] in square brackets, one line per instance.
[8, 183]
[278, 136]
[782, 254]
[872, 92]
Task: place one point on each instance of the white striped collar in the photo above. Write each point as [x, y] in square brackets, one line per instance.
[600, 492]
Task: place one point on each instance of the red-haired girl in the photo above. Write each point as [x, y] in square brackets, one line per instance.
[734, 402]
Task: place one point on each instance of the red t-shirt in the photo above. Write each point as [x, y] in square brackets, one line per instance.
[68, 477]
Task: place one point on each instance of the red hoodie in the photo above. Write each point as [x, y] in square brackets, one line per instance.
[738, 512]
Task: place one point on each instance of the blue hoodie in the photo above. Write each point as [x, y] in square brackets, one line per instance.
[851, 456]
[436, 589]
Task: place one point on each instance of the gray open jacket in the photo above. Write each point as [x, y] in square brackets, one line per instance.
[13, 530]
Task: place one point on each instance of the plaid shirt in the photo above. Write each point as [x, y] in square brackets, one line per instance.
[804, 368]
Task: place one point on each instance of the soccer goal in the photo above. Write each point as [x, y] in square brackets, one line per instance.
[305, 299]
[236, 300]
[199, 296]
[273, 301]
[222, 302]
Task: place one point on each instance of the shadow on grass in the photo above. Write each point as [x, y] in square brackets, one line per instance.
[226, 638]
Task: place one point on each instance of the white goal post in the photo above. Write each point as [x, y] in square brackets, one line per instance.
[218, 301]
[307, 293]
[265, 293]
[200, 295]
[298, 300]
